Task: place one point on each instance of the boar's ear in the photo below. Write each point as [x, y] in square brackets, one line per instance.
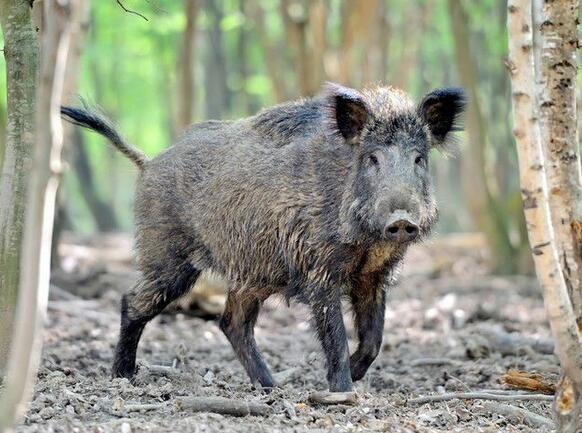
[441, 109]
[346, 112]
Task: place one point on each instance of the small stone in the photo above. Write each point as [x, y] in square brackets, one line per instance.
[209, 377]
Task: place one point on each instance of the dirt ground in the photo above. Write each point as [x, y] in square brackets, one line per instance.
[447, 329]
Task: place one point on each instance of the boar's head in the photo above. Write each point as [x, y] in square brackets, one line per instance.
[388, 193]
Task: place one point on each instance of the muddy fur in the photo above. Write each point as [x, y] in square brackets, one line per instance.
[292, 201]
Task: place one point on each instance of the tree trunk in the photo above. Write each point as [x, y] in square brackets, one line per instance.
[21, 53]
[215, 76]
[412, 41]
[486, 213]
[556, 88]
[102, 213]
[186, 67]
[536, 187]
[271, 56]
[80, 26]
[40, 206]
[247, 102]
[348, 36]
[556, 68]
[2, 132]
[297, 21]
[318, 14]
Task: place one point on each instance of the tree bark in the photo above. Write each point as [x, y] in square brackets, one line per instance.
[21, 53]
[2, 132]
[556, 88]
[536, 192]
[556, 65]
[484, 210]
[186, 66]
[40, 206]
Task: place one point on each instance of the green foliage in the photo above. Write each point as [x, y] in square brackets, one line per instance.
[131, 66]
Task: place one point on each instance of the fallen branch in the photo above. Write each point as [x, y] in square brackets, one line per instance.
[527, 417]
[223, 406]
[478, 395]
[514, 344]
[528, 381]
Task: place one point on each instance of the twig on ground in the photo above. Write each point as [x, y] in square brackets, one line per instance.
[164, 370]
[327, 397]
[514, 343]
[130, 11]
[478, 395]
[223, 406]
[505, 392]
[527, 417]
[143, 407]
[282, 377]
[77, 308]
[433, 362]
[58, 294]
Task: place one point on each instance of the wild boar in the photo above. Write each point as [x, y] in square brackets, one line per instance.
[313, 200]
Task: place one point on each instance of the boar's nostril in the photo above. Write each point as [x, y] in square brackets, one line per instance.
[401, 231]
[411, 229]
[393, 229]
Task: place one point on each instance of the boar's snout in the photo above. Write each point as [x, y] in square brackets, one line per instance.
[400, 227]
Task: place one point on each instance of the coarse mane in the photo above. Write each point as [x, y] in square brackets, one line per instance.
[288, 120]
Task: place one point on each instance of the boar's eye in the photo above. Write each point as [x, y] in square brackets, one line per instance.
[420, 160]
[373, 159]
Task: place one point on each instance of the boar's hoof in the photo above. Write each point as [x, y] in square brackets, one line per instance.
[327, 397]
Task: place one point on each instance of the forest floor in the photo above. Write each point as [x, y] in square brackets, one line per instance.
[450, 327]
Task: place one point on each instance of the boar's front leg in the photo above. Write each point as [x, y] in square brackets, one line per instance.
[238, 324]
[368, 305]
[329, 323]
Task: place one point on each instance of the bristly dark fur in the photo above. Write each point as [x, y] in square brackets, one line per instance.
[299, 200]
[288, 120]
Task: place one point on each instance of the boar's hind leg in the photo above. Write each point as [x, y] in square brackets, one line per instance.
[368, 305]
[329, 323]
[238, 323]
[141, 304]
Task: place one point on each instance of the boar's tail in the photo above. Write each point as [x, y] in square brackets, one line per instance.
[104, 126]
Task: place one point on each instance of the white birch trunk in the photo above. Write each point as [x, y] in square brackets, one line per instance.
[537, 202]
[40, 204]
[557, 75]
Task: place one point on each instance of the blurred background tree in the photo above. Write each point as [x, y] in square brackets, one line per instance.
[189, 60]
